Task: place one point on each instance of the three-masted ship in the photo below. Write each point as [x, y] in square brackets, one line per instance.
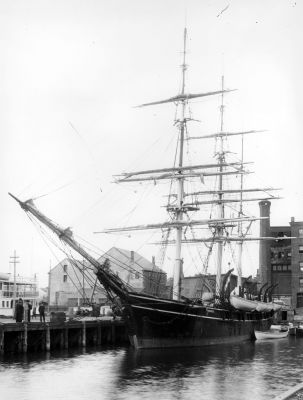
[153, 321]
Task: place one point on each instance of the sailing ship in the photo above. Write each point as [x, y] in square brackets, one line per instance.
[158, 322]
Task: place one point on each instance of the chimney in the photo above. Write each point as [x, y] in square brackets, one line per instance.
[153, 260]
[264, 247]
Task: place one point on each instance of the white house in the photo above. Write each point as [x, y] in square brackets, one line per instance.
[68, 286]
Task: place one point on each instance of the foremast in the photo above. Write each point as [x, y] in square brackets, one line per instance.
[179, 211]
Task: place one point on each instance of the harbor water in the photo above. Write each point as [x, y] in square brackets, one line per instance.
[253, 370]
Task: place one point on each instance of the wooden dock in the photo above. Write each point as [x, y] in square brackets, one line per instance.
[38, 336]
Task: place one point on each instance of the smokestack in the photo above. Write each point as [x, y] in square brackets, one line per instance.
[264, 247]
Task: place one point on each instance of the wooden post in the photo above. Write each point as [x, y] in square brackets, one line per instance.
[2, 341]
[20, 342]
[95, 335]
[83, 334]
[47, 338]
[25, 336]
[99, 334]
[113, 333]
[79, 336]
[66, 337]
[62, 339]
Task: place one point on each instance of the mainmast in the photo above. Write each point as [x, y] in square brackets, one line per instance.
[221, 161]
[180, 184]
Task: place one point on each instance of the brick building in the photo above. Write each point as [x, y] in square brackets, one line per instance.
[281, 261]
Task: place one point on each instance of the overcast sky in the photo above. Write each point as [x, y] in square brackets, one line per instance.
[71, 72]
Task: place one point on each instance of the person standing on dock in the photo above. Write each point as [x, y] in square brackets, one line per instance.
[19, 311]
[42, 312]
[29, 310]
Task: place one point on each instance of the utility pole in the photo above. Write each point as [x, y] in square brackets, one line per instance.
[83, 268]
[14, 261]
[49, 285]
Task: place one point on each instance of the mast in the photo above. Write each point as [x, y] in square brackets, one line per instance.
[180, 186]
[240, 227]
[221, 161]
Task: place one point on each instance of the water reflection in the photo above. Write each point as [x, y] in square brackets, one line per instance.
[184, 372]
[257, 370]
[250, 370]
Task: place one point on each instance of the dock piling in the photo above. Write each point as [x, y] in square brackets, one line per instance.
[62, 340]
[83, 334]
[99, 334]
[47, 338]
[2, 341]
[25, 337]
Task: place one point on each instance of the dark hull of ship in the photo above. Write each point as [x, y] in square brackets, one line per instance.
[161, 323]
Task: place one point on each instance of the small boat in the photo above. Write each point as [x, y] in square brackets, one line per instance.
[240, 303]
[281, 327]
[264, 307]
[271, 334]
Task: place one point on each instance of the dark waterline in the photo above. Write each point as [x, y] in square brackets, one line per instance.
[259, 370]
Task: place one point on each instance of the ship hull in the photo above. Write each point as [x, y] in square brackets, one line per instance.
[160, 323]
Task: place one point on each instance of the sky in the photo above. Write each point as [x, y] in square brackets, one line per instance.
[71, 72]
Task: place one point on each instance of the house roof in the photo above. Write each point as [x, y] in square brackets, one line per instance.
[122, 256]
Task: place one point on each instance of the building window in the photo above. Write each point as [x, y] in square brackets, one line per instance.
[300, 249]
[299, 299]
[3, 304]
[274, 268]
[65, 268]
[301, 232]
[279, 268]
[289, 254]
[64, 278]
[137, 275]
[301, 282]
